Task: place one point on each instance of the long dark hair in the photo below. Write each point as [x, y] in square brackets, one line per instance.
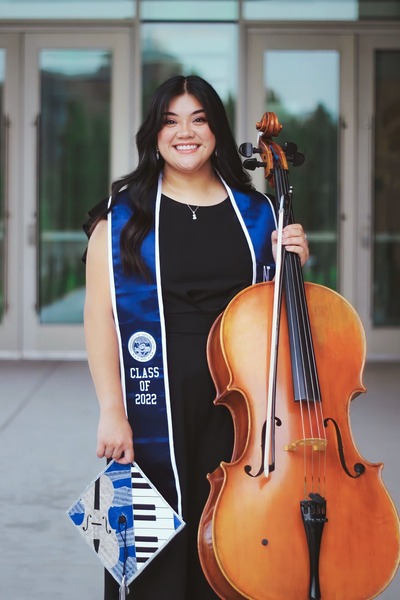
[141, 183]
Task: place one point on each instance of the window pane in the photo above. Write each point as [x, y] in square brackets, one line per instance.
[67, 9]
[301, 10]
[379, 9]
[3, 216]
[169, 50]
[179, 10]
[386, 225]
[74, 135]
[302, 88]
[321, 10]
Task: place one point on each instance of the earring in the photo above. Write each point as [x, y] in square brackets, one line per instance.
[157, 154]
[216, 153]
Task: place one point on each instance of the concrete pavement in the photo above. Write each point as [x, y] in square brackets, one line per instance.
[48, 420]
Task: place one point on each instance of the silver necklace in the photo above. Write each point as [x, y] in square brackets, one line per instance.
[194, 216]
[192, 210]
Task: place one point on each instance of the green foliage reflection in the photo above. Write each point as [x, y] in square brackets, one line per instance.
[315, 184]
[73, 176]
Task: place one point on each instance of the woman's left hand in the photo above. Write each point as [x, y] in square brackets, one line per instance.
[294, 239]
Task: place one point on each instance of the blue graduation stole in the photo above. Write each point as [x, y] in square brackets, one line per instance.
[139, 318]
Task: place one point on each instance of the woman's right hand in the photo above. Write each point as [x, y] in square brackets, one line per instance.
[114, 436]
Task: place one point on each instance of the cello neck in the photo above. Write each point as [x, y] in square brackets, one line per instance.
[304, 369]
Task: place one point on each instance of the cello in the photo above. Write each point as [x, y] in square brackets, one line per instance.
[298, 513]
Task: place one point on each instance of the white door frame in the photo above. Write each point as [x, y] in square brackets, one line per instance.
[52, 340]
[11, 326]
[384, 342]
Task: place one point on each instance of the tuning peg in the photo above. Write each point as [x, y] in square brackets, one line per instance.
[252, 163]
[298, 159]
[289, 148]
[292, 156]
[246, 149]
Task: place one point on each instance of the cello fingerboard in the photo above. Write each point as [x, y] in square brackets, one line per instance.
[304, 368]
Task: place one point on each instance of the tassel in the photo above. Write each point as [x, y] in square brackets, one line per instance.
[123, 590]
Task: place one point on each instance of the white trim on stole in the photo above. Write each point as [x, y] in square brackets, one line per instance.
[164, 346]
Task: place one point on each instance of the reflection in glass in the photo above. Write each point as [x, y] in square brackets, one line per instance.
[386, 225]
[390, 9]
[74, 142]
[3, 216]
[169, 50]
[301, 10]
[302, 88]
[67, 9]
[176, 10]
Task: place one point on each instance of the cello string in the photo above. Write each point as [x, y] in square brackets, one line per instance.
[318, 402]
[308, 360]
[297, 362]
[304, 363]
[312, 369]
[300, 361]
[313, 392]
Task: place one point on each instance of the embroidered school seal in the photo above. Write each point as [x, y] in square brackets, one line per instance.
[142, 346]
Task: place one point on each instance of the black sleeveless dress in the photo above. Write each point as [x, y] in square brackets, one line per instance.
[205, 262]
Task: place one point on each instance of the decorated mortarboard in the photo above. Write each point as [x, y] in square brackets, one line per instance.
[125, 520]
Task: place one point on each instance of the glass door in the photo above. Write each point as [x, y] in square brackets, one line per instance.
[307, 81]
[77, 140]
[378, 278]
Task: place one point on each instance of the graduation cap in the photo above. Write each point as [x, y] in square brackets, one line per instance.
[126, 521]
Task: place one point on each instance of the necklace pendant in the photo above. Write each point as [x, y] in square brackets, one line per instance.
[194, 216]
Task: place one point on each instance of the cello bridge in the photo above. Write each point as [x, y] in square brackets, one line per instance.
[317, 444]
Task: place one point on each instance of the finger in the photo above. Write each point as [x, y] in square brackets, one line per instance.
[295, 242]
[108, 452]
[295, 248]
[118, 452]
[294, 237]
[296, 228]
[100, 450]
[126, 457]
[301, 250]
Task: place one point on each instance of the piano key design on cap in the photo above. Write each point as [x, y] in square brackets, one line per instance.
[124, 519]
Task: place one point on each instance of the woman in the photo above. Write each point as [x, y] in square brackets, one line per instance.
[185, 233]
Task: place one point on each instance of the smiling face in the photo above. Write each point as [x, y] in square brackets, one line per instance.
[186, 141]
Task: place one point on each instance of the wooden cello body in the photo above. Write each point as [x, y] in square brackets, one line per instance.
[318, 523]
